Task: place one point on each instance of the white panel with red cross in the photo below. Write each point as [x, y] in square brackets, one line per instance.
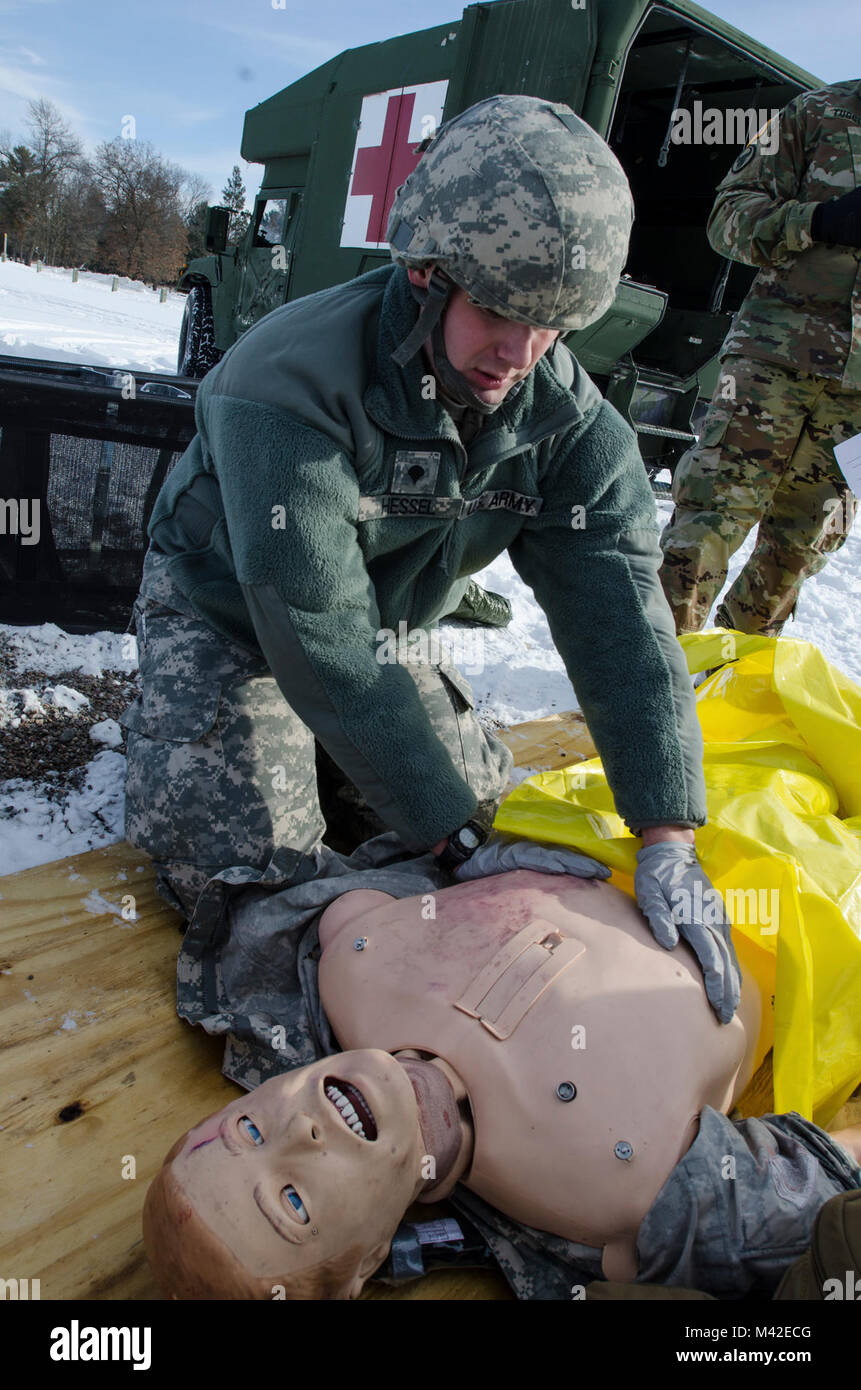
[391, 126]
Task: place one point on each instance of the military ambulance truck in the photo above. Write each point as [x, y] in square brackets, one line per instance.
[674, 90]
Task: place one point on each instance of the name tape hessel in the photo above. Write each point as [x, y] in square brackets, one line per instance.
[452, 508]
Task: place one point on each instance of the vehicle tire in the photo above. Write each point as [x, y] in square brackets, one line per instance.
[197, 350]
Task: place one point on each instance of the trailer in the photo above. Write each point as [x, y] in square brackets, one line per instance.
[85, 450]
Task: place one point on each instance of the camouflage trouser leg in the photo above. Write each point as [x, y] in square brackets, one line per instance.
[739, 1207]
[765, 455]
[219, 768]
[221, 771]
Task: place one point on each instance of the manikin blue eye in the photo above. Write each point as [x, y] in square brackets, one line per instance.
[296, 1202]
[252, 1129]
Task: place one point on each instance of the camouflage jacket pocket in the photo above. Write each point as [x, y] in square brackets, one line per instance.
[718, 419]
[458, 686]
[695, 473]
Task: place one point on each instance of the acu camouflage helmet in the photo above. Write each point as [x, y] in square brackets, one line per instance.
[524, 206]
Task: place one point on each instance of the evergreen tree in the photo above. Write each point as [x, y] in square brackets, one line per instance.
[196, 224]
[233, 197]
[18, 177]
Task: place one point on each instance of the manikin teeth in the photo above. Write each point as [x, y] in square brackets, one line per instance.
[346, 1110]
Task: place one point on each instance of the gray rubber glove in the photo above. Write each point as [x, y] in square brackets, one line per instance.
[502, 855]
[666, 887]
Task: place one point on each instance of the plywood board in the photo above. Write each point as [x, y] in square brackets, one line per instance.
[98, 1076]
[542, 745]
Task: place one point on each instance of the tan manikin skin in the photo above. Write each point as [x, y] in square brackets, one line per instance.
[524, 981]
[515, 985]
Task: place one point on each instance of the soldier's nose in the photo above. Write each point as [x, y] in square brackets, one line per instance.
[516, 345]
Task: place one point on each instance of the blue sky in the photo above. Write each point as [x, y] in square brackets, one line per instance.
[187, 70]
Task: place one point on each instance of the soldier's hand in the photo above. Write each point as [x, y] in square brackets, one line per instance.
[838, 220]
[673, 892]
[501, 856]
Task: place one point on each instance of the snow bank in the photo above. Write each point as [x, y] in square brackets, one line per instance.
[49, 649]
[34, 829]
[44, 314]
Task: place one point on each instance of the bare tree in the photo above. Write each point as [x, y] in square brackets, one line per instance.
[55, 146]
[58, 156]
[128, 211]
[80, 218]
[195, 190]
[144, 234]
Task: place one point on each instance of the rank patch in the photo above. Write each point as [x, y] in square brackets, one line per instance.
[415, 472]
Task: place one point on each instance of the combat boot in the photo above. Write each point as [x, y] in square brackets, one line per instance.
[723, 619]
[482, 606]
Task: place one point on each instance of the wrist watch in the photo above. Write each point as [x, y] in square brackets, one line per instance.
[462, 843]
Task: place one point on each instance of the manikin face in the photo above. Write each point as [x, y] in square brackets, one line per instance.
[285, 1180]
[490, 351]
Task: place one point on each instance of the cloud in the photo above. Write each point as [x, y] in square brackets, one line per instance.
[215, 166]
[18, 82]
[23, 84]
[170, 108]
[296, 46]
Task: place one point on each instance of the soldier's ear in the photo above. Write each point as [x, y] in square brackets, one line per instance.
[420, 277]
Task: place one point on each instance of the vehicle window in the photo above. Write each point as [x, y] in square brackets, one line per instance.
[270, 221]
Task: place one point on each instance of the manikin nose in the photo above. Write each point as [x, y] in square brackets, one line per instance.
[302, 1131]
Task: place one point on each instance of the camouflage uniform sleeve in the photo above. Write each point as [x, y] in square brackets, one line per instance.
[757, 217]
[591, 557]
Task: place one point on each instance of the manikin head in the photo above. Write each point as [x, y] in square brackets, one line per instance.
[299, 1185]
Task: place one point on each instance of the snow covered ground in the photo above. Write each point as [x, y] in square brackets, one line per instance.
[515, 673]
[43, 314]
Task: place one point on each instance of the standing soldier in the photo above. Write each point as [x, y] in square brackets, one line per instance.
[357, 459]
[790, 384]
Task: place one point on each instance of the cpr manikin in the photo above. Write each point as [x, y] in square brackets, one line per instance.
[522, 1034]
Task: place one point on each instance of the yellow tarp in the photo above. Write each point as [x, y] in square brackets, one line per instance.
[782, 731]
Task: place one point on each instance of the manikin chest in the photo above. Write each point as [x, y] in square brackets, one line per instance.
[587, 1050]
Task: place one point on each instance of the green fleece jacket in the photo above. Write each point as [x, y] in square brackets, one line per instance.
[327, 495]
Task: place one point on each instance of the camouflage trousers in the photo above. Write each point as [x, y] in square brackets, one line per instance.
[220, 770]
[765, 455]
[739, 1207]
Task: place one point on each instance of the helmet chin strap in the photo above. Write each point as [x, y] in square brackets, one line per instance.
[433, 302]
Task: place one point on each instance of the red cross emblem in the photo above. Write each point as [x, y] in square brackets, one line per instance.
[381, 169]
